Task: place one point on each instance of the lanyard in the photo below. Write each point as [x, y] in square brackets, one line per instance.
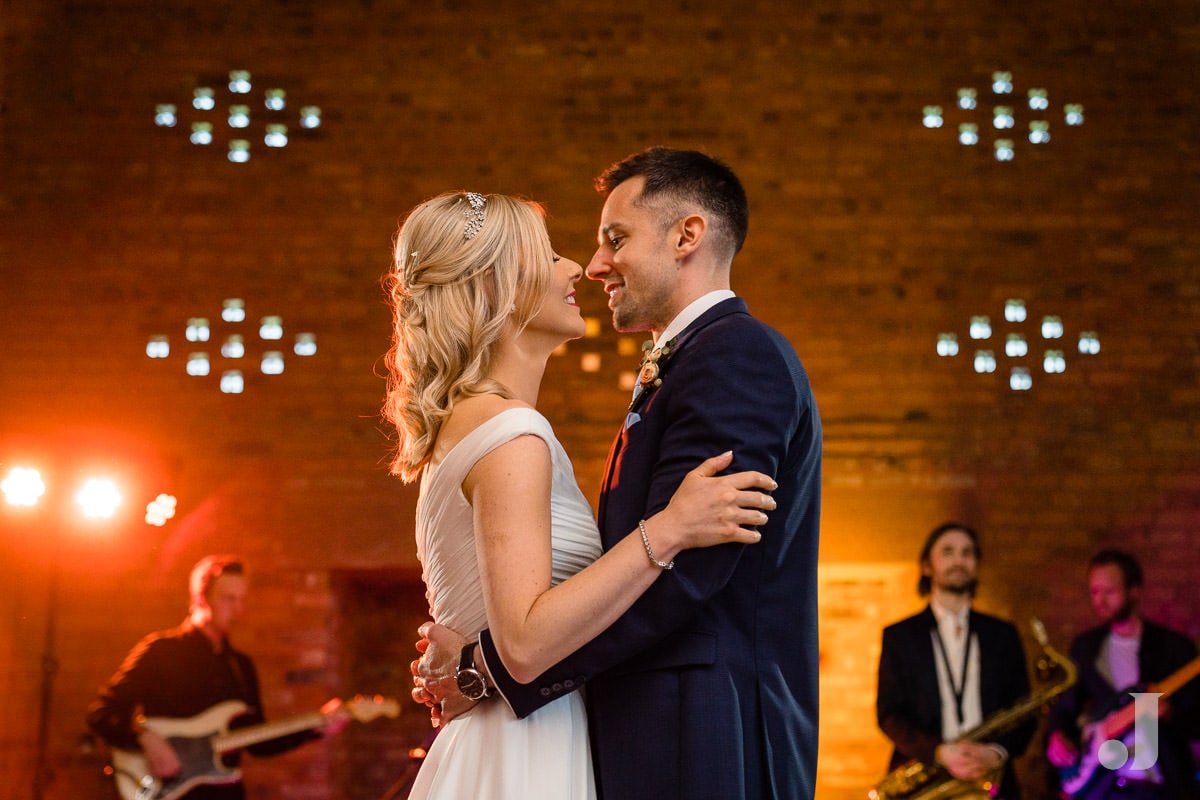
[959, 687]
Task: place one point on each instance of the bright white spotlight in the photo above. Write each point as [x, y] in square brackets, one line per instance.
[23, 486]
[98, 498]
[160, 509]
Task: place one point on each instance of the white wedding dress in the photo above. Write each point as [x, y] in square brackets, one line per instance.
[488, 752]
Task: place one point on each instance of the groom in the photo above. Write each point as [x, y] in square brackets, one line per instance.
[707, 686]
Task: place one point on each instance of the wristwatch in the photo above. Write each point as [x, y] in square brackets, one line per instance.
[472, 683]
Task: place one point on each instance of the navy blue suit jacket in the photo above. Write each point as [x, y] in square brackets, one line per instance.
[707, 686]
[908, 705]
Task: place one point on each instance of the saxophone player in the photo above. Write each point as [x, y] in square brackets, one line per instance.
[944, 670]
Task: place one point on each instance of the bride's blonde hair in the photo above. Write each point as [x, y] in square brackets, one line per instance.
[456, 281]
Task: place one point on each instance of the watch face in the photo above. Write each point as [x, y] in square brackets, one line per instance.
[471, 684]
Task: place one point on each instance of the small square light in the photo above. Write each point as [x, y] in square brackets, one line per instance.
[271, 328]
[1038, 100]
[947, 344]
[1073, 113]
[1053, 362]
[1015, 346]
[932, 117]
[310, 117]
[202, 99]
[232, 382]
[197, 329]
[201, 133]
[1002, 82]
[966, 99]
[306, 344]
[1004, 150]
[276, 135]
[276, 99]
[272, 363]
[1039, 131]
[164, 115]
[589, 362]
[239, 116]
[233, 309]
[1089, 343]
[158, 347]
[985, 361]
[1052, 328]
[968, 134]
[239, 81]
[1019, 380]
[239, 151]
[197, 364]
[233, 347]
[981, 327]
[1014, 310]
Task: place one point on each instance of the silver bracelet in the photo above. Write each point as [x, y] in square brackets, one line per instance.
[650, 551]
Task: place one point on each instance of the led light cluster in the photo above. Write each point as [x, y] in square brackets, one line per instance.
[1017, 345]
[233, 345]
[235, 114]
[1003, 116]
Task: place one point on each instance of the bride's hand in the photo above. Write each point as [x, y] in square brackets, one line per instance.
[709, 509]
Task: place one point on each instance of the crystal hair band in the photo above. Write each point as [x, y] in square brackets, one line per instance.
[474, 215]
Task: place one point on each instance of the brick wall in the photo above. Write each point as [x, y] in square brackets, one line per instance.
[870, 235]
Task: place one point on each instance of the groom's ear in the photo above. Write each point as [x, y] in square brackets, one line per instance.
[689, 234]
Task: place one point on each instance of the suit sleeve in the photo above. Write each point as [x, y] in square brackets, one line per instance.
[895, 699]
[745, 394]
[1016, 688]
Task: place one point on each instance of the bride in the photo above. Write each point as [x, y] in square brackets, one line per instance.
[506, 539]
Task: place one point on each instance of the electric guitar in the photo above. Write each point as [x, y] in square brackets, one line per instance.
[1077, 780]
[201, 742]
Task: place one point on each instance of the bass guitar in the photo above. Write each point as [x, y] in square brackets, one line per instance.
[202, 741]
[1077, 780]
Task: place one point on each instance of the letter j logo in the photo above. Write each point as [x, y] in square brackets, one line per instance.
[1113, 753]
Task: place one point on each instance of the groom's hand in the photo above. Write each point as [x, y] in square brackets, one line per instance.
[433, 673]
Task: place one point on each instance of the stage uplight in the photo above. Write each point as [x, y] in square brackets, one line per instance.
[161, 509]
[23, 486]
[99, 498]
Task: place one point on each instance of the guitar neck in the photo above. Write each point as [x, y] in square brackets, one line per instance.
[244, 737]
[1121, 720]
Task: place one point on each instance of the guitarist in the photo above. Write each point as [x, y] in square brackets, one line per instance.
[181, 672]
[1125, 653]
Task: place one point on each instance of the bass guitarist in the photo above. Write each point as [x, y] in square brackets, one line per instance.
[185, 671]
[1126, 652]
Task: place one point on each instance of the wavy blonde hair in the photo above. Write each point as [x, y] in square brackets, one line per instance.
[451, 298]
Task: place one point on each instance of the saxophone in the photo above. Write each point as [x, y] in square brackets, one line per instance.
[917, 780]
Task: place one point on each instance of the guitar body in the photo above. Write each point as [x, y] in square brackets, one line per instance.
[201, 741]
[1077, 780]
[193, 740]
[1116, 724]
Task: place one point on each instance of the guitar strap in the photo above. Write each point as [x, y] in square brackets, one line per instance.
[959, 687]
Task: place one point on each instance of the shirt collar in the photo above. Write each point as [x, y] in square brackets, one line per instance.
[945, 616]
[691, 313]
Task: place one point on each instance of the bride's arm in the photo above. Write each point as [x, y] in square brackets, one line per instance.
[534, 624]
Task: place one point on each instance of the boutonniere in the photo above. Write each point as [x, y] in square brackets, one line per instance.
[650, 370]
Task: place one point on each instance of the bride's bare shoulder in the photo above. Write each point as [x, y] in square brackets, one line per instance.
[468, 415]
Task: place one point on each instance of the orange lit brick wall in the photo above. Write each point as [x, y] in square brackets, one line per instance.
[870, 236]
